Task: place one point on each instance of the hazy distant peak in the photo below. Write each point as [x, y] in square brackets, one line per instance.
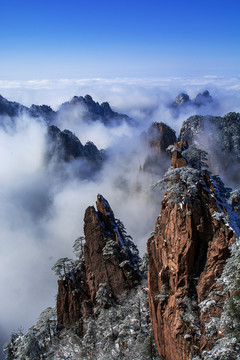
[93, 111]
[183, 100]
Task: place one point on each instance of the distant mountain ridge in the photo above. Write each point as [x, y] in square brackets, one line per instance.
[91, 111]
[183, 102]
[220, 137]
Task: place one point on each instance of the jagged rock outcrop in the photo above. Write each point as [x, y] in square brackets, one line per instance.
[187, 254]
[43, 111]
[226, 127]
[203, 99]
[64, 147]
[90, 111]
[13, 109]
[183, 100]
[109, 258]
[220, 137]
[159, 136]
[93, 111]
[102, 303]
[10, 108]
[73, 301]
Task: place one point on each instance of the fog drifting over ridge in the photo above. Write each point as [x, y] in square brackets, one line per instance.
[42, 214]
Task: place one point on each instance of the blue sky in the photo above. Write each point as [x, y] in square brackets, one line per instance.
[81, 39]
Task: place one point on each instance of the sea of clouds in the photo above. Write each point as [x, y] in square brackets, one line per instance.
[41, 212]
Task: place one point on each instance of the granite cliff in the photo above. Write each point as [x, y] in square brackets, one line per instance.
[187, 253]
[158, 137]
[108, 258]
[102, 306]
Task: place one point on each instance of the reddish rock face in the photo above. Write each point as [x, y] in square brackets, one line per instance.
[107, 260]
[159, 137]
[186, 256]
[73, 300]
[177, 160]
[100, 229]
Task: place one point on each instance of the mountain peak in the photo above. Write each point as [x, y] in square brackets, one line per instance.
[109, 257]
[187, 254]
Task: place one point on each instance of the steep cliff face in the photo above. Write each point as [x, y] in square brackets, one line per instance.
[109, 258]
[158, 138]
[186, 257]
[102, 303]
[63, 148]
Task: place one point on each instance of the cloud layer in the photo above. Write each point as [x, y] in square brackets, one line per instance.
[41, 213]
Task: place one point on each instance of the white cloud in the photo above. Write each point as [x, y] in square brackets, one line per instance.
[40, 216]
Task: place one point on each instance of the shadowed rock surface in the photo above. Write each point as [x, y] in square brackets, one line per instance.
[89, 111]
[158, 138]
[109, 258]
[64, 147]
[93, 111]
[13, 109]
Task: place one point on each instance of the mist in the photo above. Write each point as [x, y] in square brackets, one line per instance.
[41, 211]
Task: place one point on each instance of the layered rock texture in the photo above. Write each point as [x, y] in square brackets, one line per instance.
[187, 254]
[109, 258]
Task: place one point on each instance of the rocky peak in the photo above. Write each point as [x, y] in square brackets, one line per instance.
[11, 108]
[203, 98]
[183, 102]
[159, 136]
[187, 254]
[93, 111]
[43, 111]
[109, 258]
[182, 99]
[65, 147]
[14, 109]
